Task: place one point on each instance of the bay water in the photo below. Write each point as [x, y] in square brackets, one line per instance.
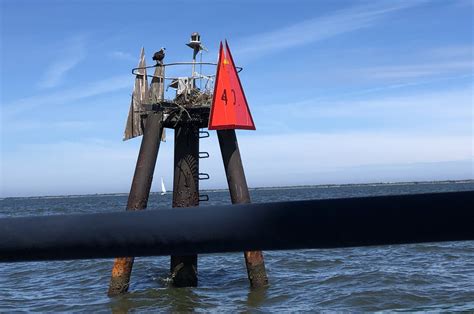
[415, 277]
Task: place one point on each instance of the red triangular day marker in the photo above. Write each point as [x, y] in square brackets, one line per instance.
[229, 108]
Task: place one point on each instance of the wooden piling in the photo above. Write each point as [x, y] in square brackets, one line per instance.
[239, 194]
[142, 179]
[185, 194]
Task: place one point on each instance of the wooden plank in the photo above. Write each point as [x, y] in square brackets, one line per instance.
[239, 194]
[134, 126]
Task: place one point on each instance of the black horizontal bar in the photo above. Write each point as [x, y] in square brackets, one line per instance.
[272, 226]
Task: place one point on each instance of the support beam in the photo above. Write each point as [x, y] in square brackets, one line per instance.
[142, 180]
[316, 224]
[239, 194]
[185, 194]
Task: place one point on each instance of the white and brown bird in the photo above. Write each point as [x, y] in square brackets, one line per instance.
[159, 55]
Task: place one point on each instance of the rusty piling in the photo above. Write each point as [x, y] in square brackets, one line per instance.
[142, 179]
[185, 194]
[239, 194]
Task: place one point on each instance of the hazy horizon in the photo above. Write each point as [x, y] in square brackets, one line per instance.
[283, 187]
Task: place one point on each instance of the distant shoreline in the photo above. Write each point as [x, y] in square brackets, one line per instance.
[268, 188]
[362, 184]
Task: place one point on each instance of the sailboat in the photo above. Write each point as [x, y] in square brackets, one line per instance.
[163, 189]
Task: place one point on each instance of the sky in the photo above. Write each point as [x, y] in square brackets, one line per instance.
[340, 91]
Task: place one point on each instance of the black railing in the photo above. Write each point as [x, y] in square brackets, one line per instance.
[326, 223]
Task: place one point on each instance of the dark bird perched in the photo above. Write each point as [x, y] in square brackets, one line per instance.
[159, 56]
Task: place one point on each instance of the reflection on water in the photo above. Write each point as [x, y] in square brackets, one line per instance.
[421, 277]
[173, 299]
[256, 297]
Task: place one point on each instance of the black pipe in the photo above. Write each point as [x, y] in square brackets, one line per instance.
[272, 226]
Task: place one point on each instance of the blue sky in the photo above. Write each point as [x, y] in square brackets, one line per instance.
[341, 91]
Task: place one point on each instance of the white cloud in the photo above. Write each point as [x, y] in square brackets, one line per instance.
[48, 125]
[453, 51]
[67, 96]
[342, 157]
[413, 66]
[309, 158]
[68, 167]
[316, 150]
[411, 83]
[416, 70]
[68, 58]
[98, 166]
[120, 55]
[320, 28]
[448, 111]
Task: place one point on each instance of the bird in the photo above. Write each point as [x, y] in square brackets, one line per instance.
[159, 56]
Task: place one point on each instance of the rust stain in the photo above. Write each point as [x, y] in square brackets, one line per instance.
[121, 272]
[256, 269]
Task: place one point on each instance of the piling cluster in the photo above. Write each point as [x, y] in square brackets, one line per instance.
[188, 113]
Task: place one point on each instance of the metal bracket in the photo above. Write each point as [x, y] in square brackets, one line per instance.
[203, 197]
[203, 176]
[203, 155]
[205, 134]
[134, 70]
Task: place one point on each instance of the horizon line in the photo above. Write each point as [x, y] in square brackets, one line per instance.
[329, 185]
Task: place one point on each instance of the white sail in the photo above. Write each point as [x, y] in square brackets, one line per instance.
[163, 189]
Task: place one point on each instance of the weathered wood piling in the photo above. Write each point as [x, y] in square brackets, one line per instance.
[185, 194]
[239, 194]
[143, 176]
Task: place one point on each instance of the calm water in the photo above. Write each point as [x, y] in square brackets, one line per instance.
[420, 277]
